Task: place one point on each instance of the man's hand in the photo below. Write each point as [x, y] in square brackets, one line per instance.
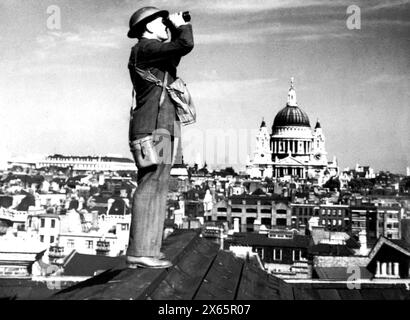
[177, 19]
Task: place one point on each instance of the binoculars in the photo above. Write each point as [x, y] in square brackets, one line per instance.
[185, 15]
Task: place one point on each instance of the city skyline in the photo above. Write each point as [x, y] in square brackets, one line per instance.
[67, 91]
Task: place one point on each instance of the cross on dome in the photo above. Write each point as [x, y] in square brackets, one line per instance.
[292, 94]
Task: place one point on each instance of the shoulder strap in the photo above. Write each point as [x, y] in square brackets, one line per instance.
[164, 86]
[162, 98]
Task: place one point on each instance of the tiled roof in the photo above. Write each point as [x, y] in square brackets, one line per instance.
[340, 273]
[87, 265]
[324, 249]
[118, 207]
[26, 202]
[201, 272]
[401, 243]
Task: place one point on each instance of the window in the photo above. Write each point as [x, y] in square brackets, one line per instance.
[266, 221]
[41, 238]
[340, 212]
[340, 222]
[43, 222]
[296, 255]
[70, 243]
[29, 223]
[277, 254]
[89, 244]
[323, 222]
[53, 223]
[260, 252]
[51, 239]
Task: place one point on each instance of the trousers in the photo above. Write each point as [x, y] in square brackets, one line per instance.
[149, 207]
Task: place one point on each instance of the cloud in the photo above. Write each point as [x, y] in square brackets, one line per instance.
[216, 90]
[246, 6]
[389, 79]
[388, 4]
[75, 43]
[281, 31]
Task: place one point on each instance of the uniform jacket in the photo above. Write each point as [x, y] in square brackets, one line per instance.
[158, 57]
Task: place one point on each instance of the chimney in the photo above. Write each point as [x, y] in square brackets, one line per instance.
[363, 243]
[94, 220]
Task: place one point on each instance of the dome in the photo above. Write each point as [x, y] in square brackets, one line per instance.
[291, 116]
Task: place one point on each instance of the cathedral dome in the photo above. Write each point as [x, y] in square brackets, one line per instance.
[291, 116]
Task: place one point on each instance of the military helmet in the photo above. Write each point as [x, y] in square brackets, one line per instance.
[141, 17]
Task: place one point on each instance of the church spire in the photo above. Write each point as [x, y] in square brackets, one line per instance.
[292, 94]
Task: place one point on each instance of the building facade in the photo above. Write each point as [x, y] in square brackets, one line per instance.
[292, 149]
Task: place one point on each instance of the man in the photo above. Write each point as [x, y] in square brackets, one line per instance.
[154, 53]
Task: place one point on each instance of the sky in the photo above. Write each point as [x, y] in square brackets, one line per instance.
[66, 89]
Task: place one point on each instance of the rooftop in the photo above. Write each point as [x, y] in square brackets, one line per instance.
[201, 271]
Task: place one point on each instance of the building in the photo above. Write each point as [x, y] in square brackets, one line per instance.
[44, 227]
[293, 149]
[388, 222]
[251, 211]
[282, 253]
[335, 217]
[364, 218]
[17, 256]
[78, 163]
[390, 259]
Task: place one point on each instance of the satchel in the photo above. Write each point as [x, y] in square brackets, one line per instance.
[144, 152]
[178, 92]
[184, 106]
